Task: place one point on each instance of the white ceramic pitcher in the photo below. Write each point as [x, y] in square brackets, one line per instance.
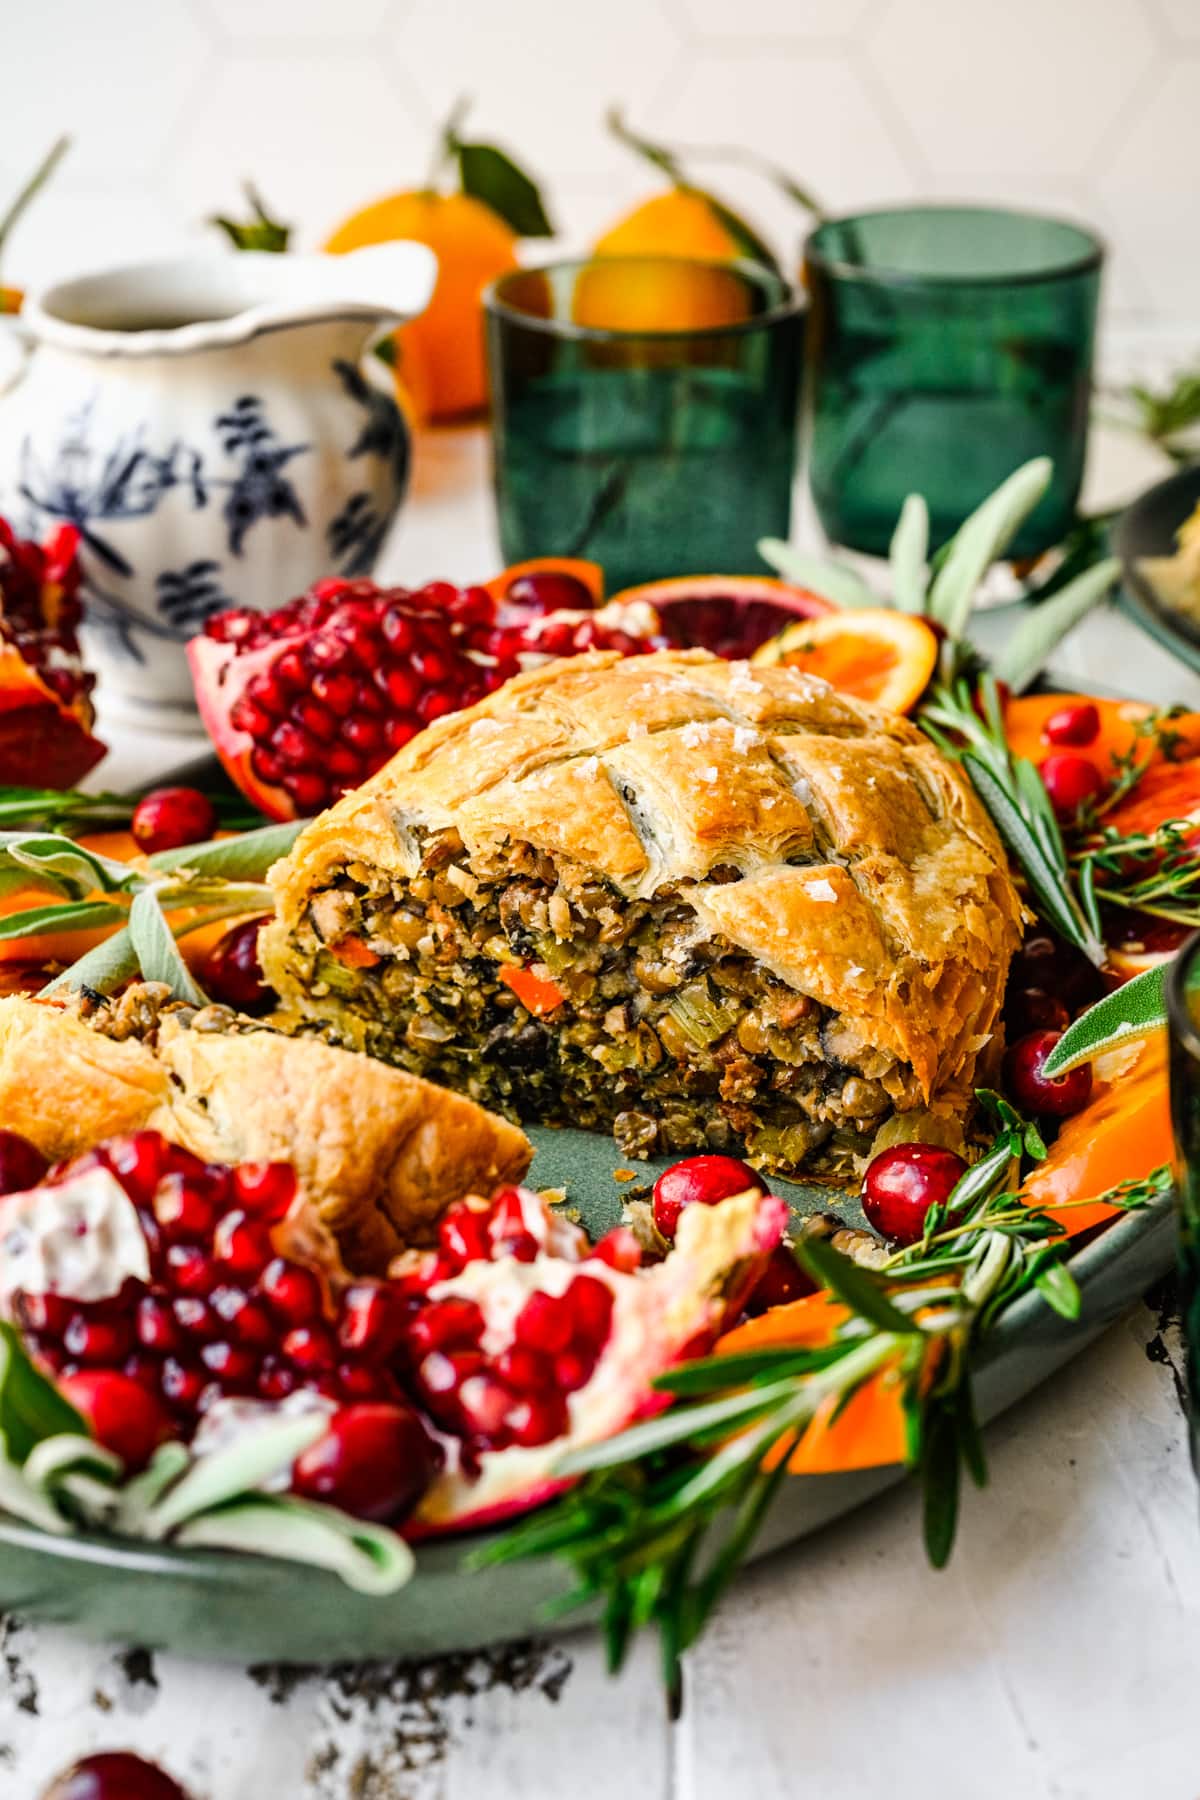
[217, 431]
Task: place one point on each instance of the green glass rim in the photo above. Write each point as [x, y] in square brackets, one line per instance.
[788, 303]
[1087, 262]
[1179, 1015]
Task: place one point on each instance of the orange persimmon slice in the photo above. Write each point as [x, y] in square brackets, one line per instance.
[875, 654]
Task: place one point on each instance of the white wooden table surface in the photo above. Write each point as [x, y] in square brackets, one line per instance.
[1056, 1659]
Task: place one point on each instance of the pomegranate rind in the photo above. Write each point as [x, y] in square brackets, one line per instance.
[42, 742]
[219, 677]
[660, 1315]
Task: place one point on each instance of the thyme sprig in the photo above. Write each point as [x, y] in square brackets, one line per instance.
[1016, 799]
[1155, 872]
[665, 1513]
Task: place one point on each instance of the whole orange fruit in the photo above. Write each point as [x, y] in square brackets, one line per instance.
[680, 222]
[441, 354]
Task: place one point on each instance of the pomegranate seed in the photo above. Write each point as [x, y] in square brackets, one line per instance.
[590, 1307]
[443, 1325]
[234, 1366]
[441, 1374]
[398, 630]
[155, 1325]
[363, 734]
[903, 1182]
[483, 1403]
[169, 817]
[97, 1341]
[142, 1369]
[184, 1210]
[620, 1249]
[22, 1165]
[266, 694]
[310, 792]
[1079, 725]
[400, 732]
[357, 1382]
[276, 1379]
[265, 1189]
[1032, 1091]
[372, 1321]
[550, 592]
[120, 1413]
[375, 1461]
[702, 1180]
[310, 1348]
[291, 672]
[463, 1234]
[292, 1291]
[194, 1316]
[246, 1320]
[544, 1323]
[524, 1369]
[182, 1384]
[232, 972]
[572, 1370]
[242, 1245]
[268, 768]
[435, 704]
[114, 1775]
[337, 692]
[43, 1312]
[316, 720]
[139, 1161]
[189, 1270]
[400, 686]
[1071, 781]
[536, 1419]
[245, 716]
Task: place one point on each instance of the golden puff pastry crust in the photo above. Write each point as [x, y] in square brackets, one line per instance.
[830, 841]
[379, 1152]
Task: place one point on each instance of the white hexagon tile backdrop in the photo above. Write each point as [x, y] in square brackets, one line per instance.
[1082, 106]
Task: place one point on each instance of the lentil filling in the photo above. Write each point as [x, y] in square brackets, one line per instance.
[542, 992]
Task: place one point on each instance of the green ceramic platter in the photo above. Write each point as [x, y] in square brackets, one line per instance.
[249, 1609]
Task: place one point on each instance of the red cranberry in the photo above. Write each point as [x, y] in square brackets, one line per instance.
[120, 1413]
[114, 1775]
[1028, 1086]
[169, 817]
[375, 1461]
[1071, 781]
[781, 1281]
[1078, 725]
[702, 1179]
[549, 592]
[902, 1183]
[232, 973]
[22, 1165]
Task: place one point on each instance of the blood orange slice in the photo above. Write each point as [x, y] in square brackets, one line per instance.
[731, 615]
[876, 655]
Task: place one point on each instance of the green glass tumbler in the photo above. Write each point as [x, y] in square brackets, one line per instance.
[948, 345]
[652, 452]
[1183, 1010]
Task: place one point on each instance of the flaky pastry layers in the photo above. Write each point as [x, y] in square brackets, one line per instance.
[378, 1153]
[707, 904]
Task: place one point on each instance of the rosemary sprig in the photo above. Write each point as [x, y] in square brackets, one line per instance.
[1013, 793]
[665, 1513]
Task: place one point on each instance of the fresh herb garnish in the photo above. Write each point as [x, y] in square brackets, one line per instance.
[666, 1512]
[72, 812]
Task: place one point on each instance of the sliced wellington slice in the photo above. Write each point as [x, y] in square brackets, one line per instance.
[754, 914]
[379, 1152]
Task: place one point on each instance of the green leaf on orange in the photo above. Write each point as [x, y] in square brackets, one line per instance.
[488, 174]
[1130, 1012]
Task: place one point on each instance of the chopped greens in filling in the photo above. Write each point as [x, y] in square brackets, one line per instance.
[544, 993]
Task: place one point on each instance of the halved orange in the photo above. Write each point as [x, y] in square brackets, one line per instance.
[875, 654]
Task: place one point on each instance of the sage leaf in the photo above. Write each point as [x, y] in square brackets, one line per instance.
[237, 1469]
[76, 915]
[61, 863]
[941, 1479]
[369, 1558]
[1044, 627]
[1058, 1288]
[55, 1457]
[245, 858]
[981, 539]
[833, 581]
[1132, 1011]
[22, 1501]
[908, 553]
[156, 950]
[105, 969]
[31, 1407]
